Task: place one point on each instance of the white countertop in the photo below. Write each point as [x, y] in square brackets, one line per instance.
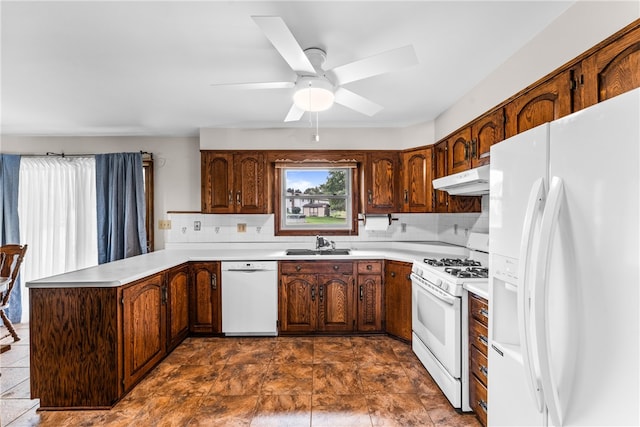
[125, 271]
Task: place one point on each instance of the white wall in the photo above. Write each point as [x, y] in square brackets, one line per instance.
[176, 164]
[582, 26]
[330, 139]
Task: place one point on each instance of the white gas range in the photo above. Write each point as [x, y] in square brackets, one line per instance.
[439, 315]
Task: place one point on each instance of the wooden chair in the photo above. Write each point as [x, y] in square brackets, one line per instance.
[11, 257]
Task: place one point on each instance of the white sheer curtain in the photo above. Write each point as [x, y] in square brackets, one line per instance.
[57, 211]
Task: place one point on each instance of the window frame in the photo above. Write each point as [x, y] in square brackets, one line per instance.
[280, 199]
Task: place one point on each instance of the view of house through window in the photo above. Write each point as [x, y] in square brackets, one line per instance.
[316, 198]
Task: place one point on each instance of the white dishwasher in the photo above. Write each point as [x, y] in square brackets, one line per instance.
[249, 298]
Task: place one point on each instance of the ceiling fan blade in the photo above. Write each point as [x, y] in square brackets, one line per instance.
[381, 63]
[294, 114]
[281, 38]
[250, 86]
[356, 102]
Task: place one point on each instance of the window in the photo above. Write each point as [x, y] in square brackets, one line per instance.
[315, 199]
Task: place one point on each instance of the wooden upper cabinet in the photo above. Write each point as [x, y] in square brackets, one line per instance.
[249, 183]
[459, 151]
[548, 101]
[440, 165]
[217, 182]
[381, 173]
[233, 182]
[611, 70]
[486, 131]
[417, 170]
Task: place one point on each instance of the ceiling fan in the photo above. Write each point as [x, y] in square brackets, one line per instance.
[317, 89]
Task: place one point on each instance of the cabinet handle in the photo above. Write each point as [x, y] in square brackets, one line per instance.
[321, 288]
[230, 197]
[482, 404]
[406, 196]
[298, 267]
[474, 149]
[214, 282]
[393, 274]
[336, 267]
[361, 293]
[483, 339]
[370, 196]
[369, 267]
[164, 295]
[483, 370]
[313, 293]
[409, 277]
[466, 151]
[238, 197]
[484, 313]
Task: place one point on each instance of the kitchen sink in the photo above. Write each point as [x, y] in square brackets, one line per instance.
[301, 252]
[335, 252]
[318, 252]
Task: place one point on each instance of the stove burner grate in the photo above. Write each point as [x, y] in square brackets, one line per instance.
[452, 262]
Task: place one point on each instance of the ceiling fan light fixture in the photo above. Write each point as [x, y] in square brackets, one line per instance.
[313, 94]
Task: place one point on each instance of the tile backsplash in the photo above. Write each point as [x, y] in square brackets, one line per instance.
[220, 228]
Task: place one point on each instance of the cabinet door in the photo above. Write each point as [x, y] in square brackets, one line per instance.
[177, 305]
[249, 183]
[205, 311]
[398, 299]
[485, 132]
[370, 302]
[548, 101]
[459, 151]
[144, 324]
[440, 198]
[298, 303]
[381, 174]
[217, 182]
[612, 70]
[416, 179]
[335, 303]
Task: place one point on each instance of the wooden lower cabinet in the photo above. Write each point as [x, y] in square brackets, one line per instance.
[331, 297]
[178, 279]
[478, 366]
[144, 326]
[398, 299]
[205, 298]
[89, 346]
[370, 296]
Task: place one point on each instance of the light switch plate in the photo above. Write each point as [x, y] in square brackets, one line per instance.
[242, 228]
[164, 224]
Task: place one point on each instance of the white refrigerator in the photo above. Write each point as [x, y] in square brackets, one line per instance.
[564, 271]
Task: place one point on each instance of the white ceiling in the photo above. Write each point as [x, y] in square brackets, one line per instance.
[146, 67]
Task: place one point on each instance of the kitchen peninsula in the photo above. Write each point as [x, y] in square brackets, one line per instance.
[96, 332]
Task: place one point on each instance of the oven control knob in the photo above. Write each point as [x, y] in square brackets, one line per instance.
[438, 283]
[445, 286]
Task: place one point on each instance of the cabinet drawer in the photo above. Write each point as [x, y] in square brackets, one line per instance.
[478, 335]
[369, 267]
[479, 309]
[316, 267]
[479, 365]
[478, 400]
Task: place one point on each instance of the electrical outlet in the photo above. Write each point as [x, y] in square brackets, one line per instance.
[242, 228]
[164, 224]
[403, 227]
[197, 225]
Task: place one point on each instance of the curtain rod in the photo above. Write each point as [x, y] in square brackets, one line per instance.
[63, 155]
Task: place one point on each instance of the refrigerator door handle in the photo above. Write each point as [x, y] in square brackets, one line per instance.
[548, 227]
[536, 199]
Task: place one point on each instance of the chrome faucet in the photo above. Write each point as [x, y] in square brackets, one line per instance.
[324, 244]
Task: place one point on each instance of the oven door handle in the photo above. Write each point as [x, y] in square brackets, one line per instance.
[451, 300]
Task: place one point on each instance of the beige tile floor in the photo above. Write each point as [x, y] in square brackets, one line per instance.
[284, 381]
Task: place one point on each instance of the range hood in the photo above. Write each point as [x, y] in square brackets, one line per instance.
[474, 182]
